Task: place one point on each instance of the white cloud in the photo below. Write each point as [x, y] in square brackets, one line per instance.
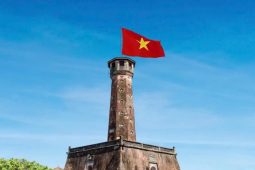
[160, 110]
[86, 95]
[50, 137]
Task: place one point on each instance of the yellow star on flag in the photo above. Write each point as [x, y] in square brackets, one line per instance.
[143, 44]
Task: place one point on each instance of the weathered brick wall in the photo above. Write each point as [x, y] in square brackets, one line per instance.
[122, 121]
[102, 161]
[135, 159]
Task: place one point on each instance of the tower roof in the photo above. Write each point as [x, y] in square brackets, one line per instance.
[120, 58]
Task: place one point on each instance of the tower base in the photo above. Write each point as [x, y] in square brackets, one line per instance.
[121, 155]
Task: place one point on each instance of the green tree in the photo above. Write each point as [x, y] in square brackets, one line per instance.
[20, 164]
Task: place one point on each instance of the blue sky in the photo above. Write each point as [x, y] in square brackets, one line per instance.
[55, 85]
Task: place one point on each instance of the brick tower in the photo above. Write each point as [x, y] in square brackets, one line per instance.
[121, 151]
[121, 119]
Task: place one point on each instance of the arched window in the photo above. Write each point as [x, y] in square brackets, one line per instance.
[153, 168]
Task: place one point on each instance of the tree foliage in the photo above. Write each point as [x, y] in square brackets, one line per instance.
[20, 164]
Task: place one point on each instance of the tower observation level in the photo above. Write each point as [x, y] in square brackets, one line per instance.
[121, 116]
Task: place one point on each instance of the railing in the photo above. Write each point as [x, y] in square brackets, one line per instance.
[94, 146]
[148, 147]
[123, 143]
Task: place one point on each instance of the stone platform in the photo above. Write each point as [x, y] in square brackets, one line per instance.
[121, 155]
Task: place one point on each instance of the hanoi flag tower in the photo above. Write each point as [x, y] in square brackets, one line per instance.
[121, 151]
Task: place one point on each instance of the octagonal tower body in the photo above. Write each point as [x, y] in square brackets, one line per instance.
[121, 116]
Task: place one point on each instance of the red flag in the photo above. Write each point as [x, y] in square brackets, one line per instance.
[134, 44]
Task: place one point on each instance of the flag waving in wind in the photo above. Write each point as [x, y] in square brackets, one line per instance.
[134, 44]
